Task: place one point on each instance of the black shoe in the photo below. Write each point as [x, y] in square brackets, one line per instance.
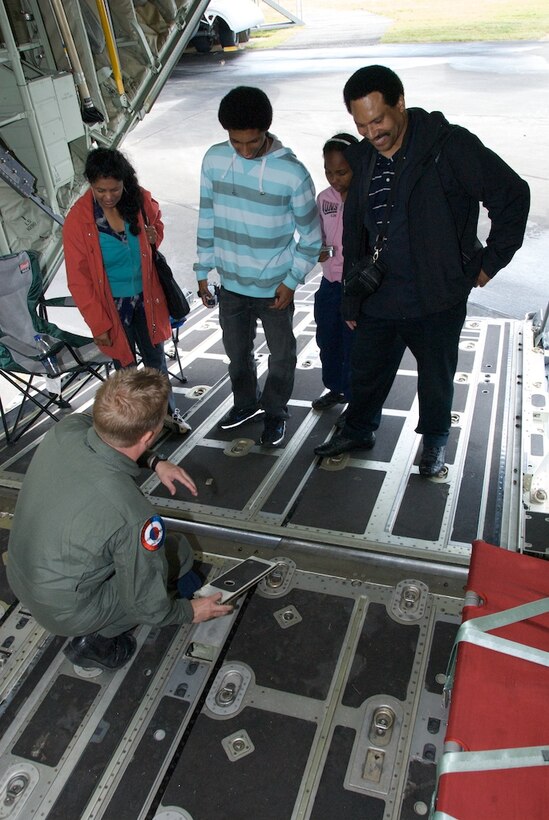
[432, 462]
[235, 417]
[328, 400]
[342, 444]
[94, 650]
[273, 432]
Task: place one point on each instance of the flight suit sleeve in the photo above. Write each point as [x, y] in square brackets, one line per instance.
[141, 574]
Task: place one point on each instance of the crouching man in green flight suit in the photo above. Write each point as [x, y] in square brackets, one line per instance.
[87, 552]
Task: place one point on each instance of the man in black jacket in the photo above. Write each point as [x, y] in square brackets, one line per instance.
[415, 194]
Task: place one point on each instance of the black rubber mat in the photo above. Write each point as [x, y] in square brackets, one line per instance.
[422, 509]
[114, 722]
[419, 788]
[472, 485]
[56, 720]
[149, 756]
[441, 646]
[383, 660]
[332, 799]
[262, 785]
[339, 500]
[301, 658]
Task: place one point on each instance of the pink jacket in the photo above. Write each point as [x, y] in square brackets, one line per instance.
[330, 208]
[89, 285]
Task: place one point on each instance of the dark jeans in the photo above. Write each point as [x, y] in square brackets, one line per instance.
[238, 316]
[151, 355]
[377, 351]
[333, 338]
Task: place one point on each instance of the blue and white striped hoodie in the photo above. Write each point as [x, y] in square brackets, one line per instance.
[258, 222]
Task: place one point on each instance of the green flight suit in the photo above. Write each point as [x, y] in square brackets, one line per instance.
[86, 550]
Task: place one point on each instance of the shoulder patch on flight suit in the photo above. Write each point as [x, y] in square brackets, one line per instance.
[153, 533]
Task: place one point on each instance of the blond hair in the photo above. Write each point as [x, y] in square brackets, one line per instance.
[129, 404]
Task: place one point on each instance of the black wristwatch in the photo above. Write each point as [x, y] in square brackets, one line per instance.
[152, 462]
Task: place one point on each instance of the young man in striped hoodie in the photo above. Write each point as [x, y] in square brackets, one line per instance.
[259, 227]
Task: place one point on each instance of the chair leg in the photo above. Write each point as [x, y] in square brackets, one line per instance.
[175, 339]
[22, 424]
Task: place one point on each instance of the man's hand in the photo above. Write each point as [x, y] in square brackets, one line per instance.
[207, 608]
[284, 296]
[103, 340]
[205, 294]
[482, 280]
[168, 472]
[351, 323]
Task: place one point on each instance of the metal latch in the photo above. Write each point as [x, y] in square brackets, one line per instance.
[381, 728]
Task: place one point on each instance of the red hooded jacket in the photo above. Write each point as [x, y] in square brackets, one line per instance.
[89, 285]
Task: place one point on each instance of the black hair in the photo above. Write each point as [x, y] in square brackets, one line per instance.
[245, 108]
[103, 163]
[373, 78]
[339, 142]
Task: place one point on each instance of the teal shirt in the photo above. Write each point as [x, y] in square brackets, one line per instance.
[122, 262]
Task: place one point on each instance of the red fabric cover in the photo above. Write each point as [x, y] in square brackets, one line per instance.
[500, 701]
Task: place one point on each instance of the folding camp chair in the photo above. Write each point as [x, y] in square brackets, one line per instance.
[23, 315]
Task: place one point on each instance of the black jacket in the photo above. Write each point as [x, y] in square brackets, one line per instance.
[451, 173]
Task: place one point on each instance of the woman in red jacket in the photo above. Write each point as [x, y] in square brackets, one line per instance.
[110, 271]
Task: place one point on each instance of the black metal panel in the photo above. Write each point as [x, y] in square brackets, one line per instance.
[537, 533]
[147, 760]
[420, 786]
[461, 391]
[340, 500]
[383, 659]
[230, 481]
[491, 349]
[466, 361]
[441, 646]
[98, 753]
[301, 658]
[422, 509]
[56, 720]
[496, 469]
[332, 799]
[387, 438]
[308, 386]
[537, 445]
[466, 521]
[403, 392]
[408, 361]
[205, 371]
[284, 490]
[218, 347]
[42, 660]
[263, 784]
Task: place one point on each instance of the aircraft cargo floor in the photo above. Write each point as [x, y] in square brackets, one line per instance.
[322, 692]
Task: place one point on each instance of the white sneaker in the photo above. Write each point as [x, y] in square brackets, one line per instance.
[176, 423]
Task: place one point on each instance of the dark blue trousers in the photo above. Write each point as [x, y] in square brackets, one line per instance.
[151, 355]
[377, 351]
[238, 317]
[333, 338]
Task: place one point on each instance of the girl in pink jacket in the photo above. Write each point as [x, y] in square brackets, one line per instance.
[333, 337]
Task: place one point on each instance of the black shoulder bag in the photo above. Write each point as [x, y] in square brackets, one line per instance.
[176, 300]
[366, 275]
